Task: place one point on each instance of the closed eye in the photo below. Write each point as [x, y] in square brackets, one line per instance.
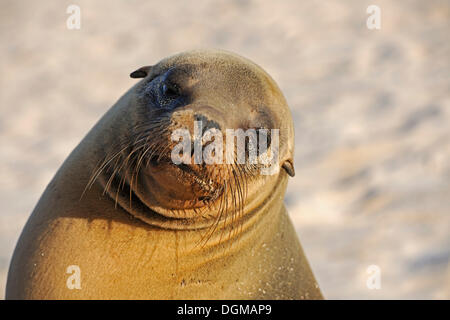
[170, 90]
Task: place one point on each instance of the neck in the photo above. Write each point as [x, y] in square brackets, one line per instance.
[262, 199]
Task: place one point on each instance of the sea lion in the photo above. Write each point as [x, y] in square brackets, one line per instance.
[135, 225]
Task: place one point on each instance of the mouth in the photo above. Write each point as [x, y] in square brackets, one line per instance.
[197, 175]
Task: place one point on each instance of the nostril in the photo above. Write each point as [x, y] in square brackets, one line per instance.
[206, 123]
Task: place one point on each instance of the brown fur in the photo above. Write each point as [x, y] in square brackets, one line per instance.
[138, 230]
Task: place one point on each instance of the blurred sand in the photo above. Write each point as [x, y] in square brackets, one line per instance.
[371, 110]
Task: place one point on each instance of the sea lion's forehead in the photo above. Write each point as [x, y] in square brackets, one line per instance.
[215, 65]
[207, 57]
[232, 75]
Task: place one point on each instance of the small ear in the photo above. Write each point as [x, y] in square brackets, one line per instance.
[288, 165]
[141, 72]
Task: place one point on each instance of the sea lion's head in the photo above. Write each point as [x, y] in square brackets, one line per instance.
[184, 97]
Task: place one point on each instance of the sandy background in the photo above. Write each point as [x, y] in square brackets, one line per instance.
[371, 110]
